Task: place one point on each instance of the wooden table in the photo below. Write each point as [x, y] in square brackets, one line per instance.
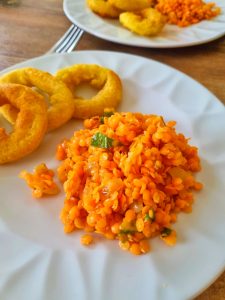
[30, 29]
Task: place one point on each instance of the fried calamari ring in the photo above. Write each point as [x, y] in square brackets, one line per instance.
[131, 5]
[9, 112]
[106, 81]
[146, 22]
[103, 8]
[30, 126]
[61, 100]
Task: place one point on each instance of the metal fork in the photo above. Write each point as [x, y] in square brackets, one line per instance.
[68, 41]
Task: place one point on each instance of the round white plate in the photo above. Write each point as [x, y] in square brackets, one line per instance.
[171, 36]
[39, 262]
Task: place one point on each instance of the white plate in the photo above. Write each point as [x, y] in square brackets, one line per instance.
[171, 36]
[39, 262]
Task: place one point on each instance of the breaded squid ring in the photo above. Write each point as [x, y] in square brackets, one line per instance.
[60, 97]
[103, 8]
[107, 81]
[30, 126]
[146, 22]
[9, 112]
[131, 5]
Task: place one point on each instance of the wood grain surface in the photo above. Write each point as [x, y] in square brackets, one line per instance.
[32, 27]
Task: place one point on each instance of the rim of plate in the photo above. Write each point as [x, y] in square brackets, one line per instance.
[140, 44]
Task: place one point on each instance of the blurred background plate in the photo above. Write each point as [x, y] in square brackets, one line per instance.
[171, 37]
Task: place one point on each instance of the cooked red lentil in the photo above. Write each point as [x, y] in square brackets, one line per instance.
[86, 239]
[41, 181]
[126, 177]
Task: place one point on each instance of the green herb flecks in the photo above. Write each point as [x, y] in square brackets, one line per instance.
[166, 232]
[147, 218]
[106, 114]
[150, 216]
[126, 231]
[100, 140]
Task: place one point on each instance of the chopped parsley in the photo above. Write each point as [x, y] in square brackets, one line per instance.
[147, 218]
[127, 231]
[106, 114]
[166, 232]
[150, 216]
[100, 140]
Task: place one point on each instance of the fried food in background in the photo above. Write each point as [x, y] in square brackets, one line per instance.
[30, 125]
[106, 81]
[136, 16]
[103, 8]
[131, 5]
[145, 22]
[60, 97]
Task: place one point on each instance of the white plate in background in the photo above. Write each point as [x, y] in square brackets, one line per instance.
[171, 37]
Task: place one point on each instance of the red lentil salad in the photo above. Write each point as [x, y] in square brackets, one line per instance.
[126, 176]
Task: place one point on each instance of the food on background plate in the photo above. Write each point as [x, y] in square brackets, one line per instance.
[145, 22]
[131, 5]
[148, 17]
[60, 97]
[188, 12]
[126, 176]
[30, 125]
[104, 80]
[103, 8]
[41, 181]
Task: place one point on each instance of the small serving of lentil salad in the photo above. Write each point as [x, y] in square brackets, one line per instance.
[126, 177]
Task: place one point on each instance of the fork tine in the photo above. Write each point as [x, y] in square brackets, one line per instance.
[68, 41]
[61, 40]
[71, 41]
[76, 40]
[67, 38]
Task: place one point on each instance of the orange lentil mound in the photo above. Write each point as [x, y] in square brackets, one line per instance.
[86, 239]
[41, 181]
[132, 188]
[187, 12]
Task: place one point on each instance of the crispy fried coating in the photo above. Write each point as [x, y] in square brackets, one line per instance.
[61, 102]
[9, 112]
[147, 22]
[131, 5]
[30, 126]
[106, 81]
[103, 8]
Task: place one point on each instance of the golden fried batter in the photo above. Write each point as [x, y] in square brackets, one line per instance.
[131, 5]
[30, 125]
[103, 8]
[9, 112]
[147, 22]
[61, 106]
[106, 81]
